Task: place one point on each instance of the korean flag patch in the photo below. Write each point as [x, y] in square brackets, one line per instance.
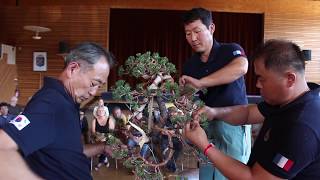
[20, 122]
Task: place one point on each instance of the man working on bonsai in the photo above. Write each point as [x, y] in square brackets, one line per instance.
[288, 145]
[47, 134]
[219, 67]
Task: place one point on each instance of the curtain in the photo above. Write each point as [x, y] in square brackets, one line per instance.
[135, 31]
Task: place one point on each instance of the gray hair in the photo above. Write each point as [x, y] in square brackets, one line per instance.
[89, 53]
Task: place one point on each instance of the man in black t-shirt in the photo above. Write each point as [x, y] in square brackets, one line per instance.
[288, 144]
[47, 134]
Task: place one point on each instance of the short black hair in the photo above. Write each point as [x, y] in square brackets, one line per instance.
[90, 53]
[280, 55]
[4, 104]
[198, 14]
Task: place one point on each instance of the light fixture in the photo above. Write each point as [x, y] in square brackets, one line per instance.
[37, 30]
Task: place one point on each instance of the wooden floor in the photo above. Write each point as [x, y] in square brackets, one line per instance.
[123, 174]
[189, 171]
[112, 173]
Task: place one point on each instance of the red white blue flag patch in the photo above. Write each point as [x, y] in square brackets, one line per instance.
[20, 122]
[283, 162]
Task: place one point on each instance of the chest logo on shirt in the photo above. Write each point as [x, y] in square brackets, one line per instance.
[20, 122]
[267, 135]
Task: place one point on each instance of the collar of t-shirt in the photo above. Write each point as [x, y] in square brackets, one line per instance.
[215, 48]
[57, 85]
[270, 109]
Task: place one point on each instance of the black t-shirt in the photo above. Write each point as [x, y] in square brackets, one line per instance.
[102, 129]
[48, 134]
[222, 54]
[288, 145]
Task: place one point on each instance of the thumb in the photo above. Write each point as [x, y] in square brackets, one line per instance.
[195, 124]
[188, 125]
[186, 129]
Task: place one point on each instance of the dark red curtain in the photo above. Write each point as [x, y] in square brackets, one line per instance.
[245, 29]
[138, 30]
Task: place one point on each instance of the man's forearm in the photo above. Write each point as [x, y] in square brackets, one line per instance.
[14, 167]
[226, 75]
[234, 169]
[234, 115]
[229, 167]
[239, 115]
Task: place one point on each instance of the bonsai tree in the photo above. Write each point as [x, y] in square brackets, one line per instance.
[156, 88]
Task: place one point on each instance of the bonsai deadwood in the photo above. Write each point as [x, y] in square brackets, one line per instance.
[157, 88]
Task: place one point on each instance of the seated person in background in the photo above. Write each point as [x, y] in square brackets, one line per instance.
[177, 145]
[5, 117]
[121, 121]
[13, 107]
[118, 116]
[135, 137]
[84, 128]
[101, 125]
[100, 104]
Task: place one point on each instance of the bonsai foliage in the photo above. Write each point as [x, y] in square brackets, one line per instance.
[118, 152]
[157, 88]
[147, 65]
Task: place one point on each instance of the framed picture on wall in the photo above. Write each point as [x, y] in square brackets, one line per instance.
[39, 61]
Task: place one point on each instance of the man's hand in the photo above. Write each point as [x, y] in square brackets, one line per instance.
[168, 132]
[108, 150]
[195, 83]
[196, 135]
[208, 111]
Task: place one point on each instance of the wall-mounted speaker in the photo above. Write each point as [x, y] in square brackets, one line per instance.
[63, 47]
[306, 54]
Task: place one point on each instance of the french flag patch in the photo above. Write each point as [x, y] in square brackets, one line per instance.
[283, 162]
[236, 52]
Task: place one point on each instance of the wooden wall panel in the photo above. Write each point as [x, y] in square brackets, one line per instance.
[7, 79]
[302, 28]
[72, 24]
[79, 20]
